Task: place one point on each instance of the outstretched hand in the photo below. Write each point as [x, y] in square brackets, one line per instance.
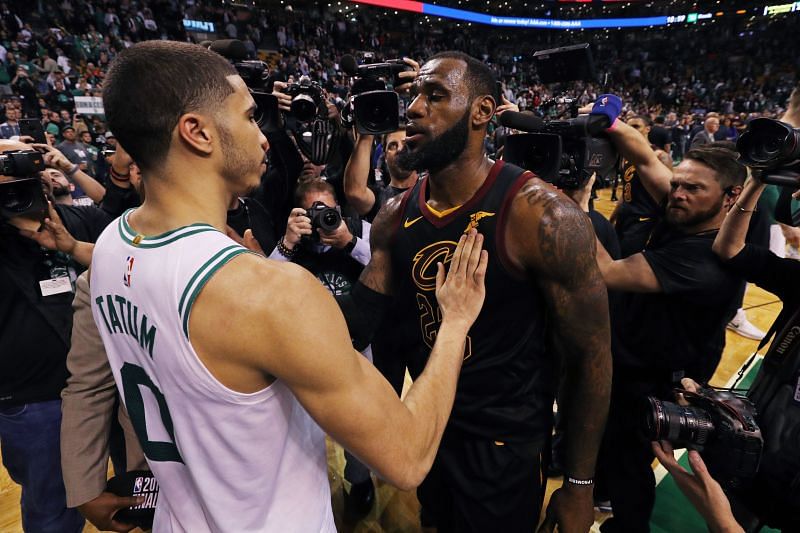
[699, 487]
[461, 291]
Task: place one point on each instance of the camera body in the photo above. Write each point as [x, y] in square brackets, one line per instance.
[374, 108]
[719, 424]
[564, 152]
[308, 101]
[324, 218]
[772, 149]
[23, 197]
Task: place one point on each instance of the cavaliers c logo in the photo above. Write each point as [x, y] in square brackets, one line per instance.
[423, 270]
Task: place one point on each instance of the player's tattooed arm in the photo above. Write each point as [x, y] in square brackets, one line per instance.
[552, 240]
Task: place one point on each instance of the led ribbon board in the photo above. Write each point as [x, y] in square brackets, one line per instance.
[555, 24]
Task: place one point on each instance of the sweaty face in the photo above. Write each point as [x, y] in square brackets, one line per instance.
[695, 195]
[242, 145]
[438, 118]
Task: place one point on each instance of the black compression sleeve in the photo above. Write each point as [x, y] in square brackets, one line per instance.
[363, 311]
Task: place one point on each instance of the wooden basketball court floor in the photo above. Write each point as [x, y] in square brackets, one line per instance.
[397, 511]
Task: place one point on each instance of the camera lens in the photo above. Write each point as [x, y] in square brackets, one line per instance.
[376, 112]
[330, 220]
[682, 426]
[303, 107]
[15, 199]
[769, 143]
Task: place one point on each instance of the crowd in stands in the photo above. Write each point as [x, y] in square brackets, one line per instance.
[739, 67]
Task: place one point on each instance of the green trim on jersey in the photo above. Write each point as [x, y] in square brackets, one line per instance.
[206, 271]
[128, 234]
[199, 272]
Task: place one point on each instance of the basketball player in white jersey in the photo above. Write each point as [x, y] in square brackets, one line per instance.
[227, 361]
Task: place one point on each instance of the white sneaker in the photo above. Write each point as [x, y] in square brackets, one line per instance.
[743, 327]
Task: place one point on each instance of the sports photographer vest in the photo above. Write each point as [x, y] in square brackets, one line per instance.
[506, 386]
[224, 460]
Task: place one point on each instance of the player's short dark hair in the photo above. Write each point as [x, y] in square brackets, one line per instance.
[312, 186]
[723, 161]
[150, 85]
[479, 77]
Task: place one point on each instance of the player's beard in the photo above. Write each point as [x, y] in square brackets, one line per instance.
[437, 153]
[686, 220]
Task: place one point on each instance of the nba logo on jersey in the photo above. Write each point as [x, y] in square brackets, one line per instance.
[126, 279]
[137, 485]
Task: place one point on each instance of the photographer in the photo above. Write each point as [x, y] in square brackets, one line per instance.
[337, 259]
[366, 199]
[677, 300]
[83, 182]
[36, 284]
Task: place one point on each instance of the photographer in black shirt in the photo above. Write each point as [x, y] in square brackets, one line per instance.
[36, 290]
[676, 300]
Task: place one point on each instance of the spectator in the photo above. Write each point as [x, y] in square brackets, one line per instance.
[10, 127]
[710, 127]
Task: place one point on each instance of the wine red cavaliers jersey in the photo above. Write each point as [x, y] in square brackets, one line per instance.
[505, 390]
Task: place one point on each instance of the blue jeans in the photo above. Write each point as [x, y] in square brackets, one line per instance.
[30, 439]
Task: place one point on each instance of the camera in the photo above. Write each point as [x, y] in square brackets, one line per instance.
[718, 423]
[22, 197]
[21, 163]
[771, 148]
[256, 76]
[308, 101]
[770, 145]
[374, 108]
[563, 152]
[323, 218]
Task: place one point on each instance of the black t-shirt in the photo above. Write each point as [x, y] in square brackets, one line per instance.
[772, 273]
[682, 327]
[660, 137]
[605, 233]
[34, 329]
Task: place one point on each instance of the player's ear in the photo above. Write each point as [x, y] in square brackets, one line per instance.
[483, 110]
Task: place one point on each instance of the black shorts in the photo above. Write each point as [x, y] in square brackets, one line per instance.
[483, 486]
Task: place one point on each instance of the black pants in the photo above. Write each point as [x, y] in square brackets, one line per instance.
[484, 486]
[626, 456]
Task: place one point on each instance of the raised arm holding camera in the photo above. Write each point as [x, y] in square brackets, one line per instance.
[676, 300]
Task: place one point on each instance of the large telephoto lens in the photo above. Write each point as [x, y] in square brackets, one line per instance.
[682, 426]
[769, 143]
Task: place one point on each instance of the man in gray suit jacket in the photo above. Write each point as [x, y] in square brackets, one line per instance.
[706, 136]
[89, 402]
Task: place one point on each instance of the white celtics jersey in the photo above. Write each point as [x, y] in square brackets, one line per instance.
[224, 460]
